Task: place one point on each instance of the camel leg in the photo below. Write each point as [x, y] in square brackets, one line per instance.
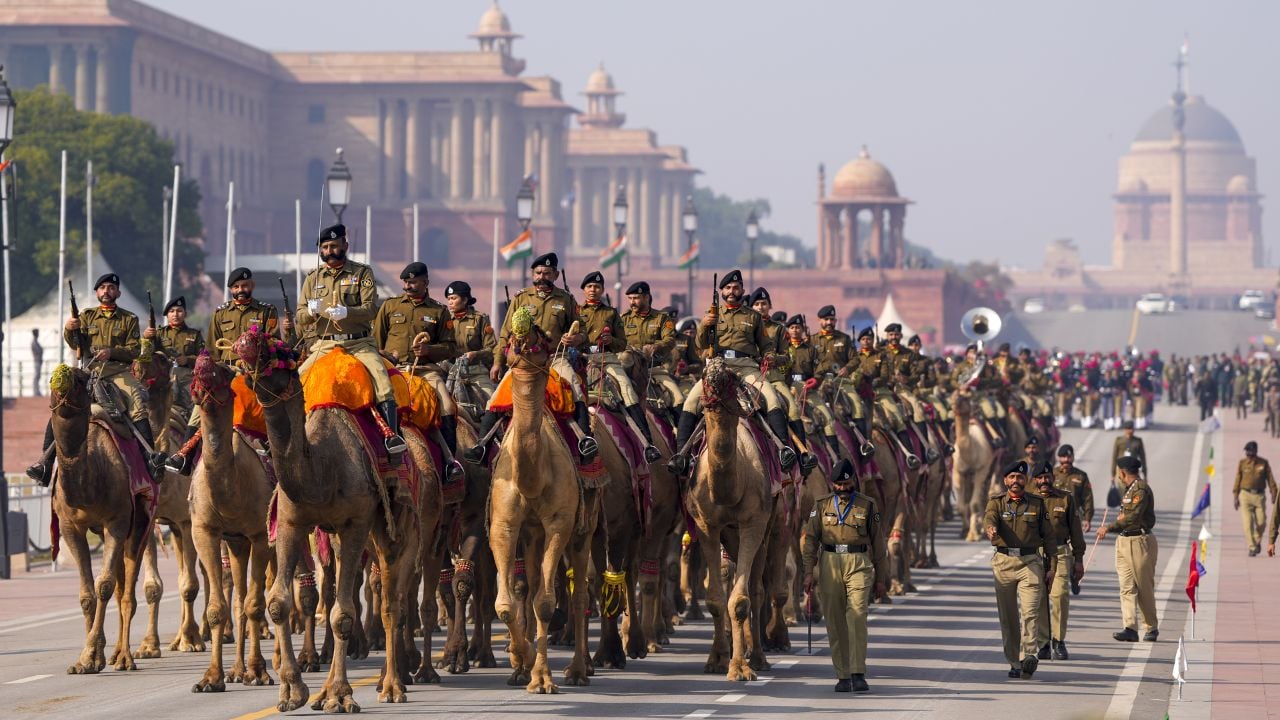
[290, 539]
[692, 568]
[481, 646]
[634, 627]
[328, 595]
[336, 695]
[92, 602]
[239, 553]
[502, 541]
[308, 600]
[610, 555]
[577, 673]
[152, 590]
[373, 617]
[208, 541]
[432, 562]
[392, 590]
[358, 644]
[188, 638]
[738, 611]
[127, 600]
[709, 550]
[776, 591]
[253, 603]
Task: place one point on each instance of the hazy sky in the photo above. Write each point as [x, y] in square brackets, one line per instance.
[1002, 120]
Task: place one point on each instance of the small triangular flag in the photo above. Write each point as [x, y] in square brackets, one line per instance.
[1204, 533]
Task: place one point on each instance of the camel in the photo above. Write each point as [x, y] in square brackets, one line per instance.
[92, 491]
[537, 502]
[653, 548]
[425, 570]
[731, 503]
[230, 496]
[972, 466]
[326, 478]
[890, 493]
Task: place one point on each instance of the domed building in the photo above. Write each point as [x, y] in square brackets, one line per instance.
[862, 185]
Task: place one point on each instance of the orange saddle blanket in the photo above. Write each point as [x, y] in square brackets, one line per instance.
[339, 379]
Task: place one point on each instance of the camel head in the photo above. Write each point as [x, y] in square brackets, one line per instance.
[69, 391]
[210, 381]
[154, 370]
[720, 387]
[527, 346]
[266, 358]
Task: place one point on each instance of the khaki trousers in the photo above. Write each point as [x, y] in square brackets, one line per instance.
[1019, 588]
[892, 411]
[613, 368]
[784, 393]
[1136, 566]
[135, 396]
[845, 582]
[662, 377]
[1054, 608]
[478, 375]
[748, 371]
[1253, 515]
[363, 350]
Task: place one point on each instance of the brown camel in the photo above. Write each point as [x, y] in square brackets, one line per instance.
[326, 479]
[972, 466]
[653, 548]
[538, 503]
[889, 492]
[731, 504]
[416, 666]
[230, 496]
[92, 491]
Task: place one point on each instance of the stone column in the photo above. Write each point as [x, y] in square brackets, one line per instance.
[834, 242]
[877, 235]
[849, 248]
[606, 217]
[102, 103]
[455, 152]
[548, 198]
[392, 151]
[480, 168]
[55, 68]
[897, 216]
[679, 241]
[497, 154]
[413, 149]
[665, 249]
[580, 200]
[82, 77]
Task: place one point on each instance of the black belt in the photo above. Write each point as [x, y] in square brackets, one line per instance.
[1134, 533]
[1017, 551]
[348, 336]
[844, 549]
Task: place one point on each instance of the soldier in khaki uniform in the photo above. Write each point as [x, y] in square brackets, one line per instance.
[653, 334]
[896, 372]
[802, 360]
[842, 538]
[1131, 445]
[1065, 522]
[606, 339]
[1069, 478]
[1025, 560]
[1136, 553]
[1253, 479]
[686, 364]
[339, 302]
[554, 312]
[113, 341]
[473, 336]
[181, 344]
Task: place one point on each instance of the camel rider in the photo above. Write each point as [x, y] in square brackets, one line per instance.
[113, 340]
[992, 423]
[416, 332]
[606, 338]
[473, 336]
[739, 339]
[896, 370]
[919, 392]
[653, 332]
[554, 312]
[685, 364]
[1034, 386]
[231, 320]
[803, 360]
[778, 371]
[338, 305]
[181, 344]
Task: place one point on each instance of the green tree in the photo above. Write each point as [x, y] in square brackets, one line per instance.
[722, 232]
[132, 163]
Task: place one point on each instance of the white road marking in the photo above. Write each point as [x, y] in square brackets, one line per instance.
[13, 626]
[699, 714]
[924, 588]
[730, 698]
[32, 678]
[761, 680]
[784, 664]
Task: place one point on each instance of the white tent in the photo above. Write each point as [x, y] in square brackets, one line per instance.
[890, 315]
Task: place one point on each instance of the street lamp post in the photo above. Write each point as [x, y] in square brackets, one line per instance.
[753, 233]
[338, 184]
[620, 224]
[7, 108]
[524, 213]
[689, 221]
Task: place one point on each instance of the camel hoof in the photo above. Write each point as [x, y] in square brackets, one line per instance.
[654, 647]
[638, 651]
[147, 651]
[427, 675]
[394, 694]
[308, 661]
[715, 668]
[518, 677]
[82, 669]
[486, 660]
[257, 677]
[575, 679]
[909, 587]
[743, 673]
[884, 600]
[124, 662]
[676, 621]
[209, 686]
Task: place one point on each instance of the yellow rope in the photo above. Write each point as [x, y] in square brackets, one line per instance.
[612, 595]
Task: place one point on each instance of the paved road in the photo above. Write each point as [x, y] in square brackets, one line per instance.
[1186, 332]
[935, 653]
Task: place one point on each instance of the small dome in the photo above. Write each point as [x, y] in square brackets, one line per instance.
[863, 177]
[494, 23]
[1203, 123]
[600, 81]
[1239, 185]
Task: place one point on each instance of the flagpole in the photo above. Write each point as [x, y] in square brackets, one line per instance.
[227, 254]
[173, 232]
[368, 236]
[88, 223]
[62, 251]
[297, 247]
[493, 278]
[416, 255]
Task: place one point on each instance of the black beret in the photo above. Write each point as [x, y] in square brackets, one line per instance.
[733, 276]
[176, 302]
[1065, 450]
[688, 324]
[827, 311]
[867, 332]
[1017, 466]
[595, 276]
[550, 260]
[1128, 425]
[639, 287]
[1129, 463]
[333, 232]
[760, 294]
[458, 287]
[1033, 440]
[778, 316]
[795, 320]
[1044, 468]
[1004, 347]
[1251, 446]
[914, 340]
[842, 472]
[112, 278]
[413, 270]
[240, 273]
[893, 327]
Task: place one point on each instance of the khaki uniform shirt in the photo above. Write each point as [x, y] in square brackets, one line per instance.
[865, 365]
[182, 340]
[596, 318]
[351, 285]
[860, 526]
[401, 319]
[835, 350]
[231, 320]
[802, 360]
[652, 328]
[739, 329]
[1137, 509]
[686, 352]
[1075, 481]
[1133, 447]
[1254, 475]
[1022, 524]
[473, 333]
[116, 330]
[776, 341]
[553, 313]
[897, 366]
[1065, 521]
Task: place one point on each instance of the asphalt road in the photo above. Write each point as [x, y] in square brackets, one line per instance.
[935, 653]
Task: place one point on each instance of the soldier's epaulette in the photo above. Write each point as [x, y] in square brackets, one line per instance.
[224, 305]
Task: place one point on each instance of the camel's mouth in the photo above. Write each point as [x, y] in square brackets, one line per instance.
[263, 354]
[207, 380]
[719, 385]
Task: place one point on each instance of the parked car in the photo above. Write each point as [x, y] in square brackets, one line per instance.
[1033, 306]
[1264, 312]
[1251, 299]
[1152, 304]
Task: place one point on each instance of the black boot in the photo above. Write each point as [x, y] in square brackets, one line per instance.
[395, 444]
[42, 470]
[912, 461]
[867, 449]
[859, 681]
[807, 459]
[777, 421]
[679, 462]
[1060, 650]
[587, 447]
[475, 454]
[636, 413]
[156, 461]
[180, 462]
[1044, 653]
[449, 431]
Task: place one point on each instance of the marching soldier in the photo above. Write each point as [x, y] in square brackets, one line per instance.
[473, 336]
[1065, 525]
[1031, 451]
[843, 539]
[1253, 479]
[1025, 560]
[338, 307]
[1130, 445]
[1071, 479]
[181, 344]
[653, 333]
[1136, 553]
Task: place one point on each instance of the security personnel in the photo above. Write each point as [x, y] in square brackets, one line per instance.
[339, 302]
[1065, 523]
[606, 339]
[1031, 451]
[845, 527]
[1253, 479]
[1136, 553]
[802, 361]
[1131, 445]
[742, 342]
[864, 368]
[554, 312]
[1025, 560]
[835, 348]
[473, 336]
[181, 344]
[896, 370]
[113, 343]
[653, 334]
[686, 364]
[1069, 478]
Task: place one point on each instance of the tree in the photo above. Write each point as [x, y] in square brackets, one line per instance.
[722, 232]
[132, 163]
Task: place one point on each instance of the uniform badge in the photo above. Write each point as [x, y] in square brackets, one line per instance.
[367, 282]
[813, 513]
[557, 307]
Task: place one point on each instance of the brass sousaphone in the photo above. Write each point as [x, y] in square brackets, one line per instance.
[980, 325]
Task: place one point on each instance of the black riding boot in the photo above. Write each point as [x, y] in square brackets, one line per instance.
[157, 459]
[395, 444]
[807, 459]
[449, 431]
[777, 421]
[42, 470]
[864, 427]
[679, 462]
[587, 447]
[475, 454]
[636, 413]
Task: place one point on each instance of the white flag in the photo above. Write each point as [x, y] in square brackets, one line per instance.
[1204, 533]
[1180, 664]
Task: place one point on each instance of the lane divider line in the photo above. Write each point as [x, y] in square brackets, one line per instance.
[730, 698]
[30, 678]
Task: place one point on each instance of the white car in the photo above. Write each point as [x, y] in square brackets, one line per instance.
[1152, 304]
[1251, 299]
[1033, 306]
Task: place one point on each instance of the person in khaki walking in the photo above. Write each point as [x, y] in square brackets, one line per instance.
[1017, 524]
[1136, 553]
[1064, 518]
[1253, 479]
[845, 526]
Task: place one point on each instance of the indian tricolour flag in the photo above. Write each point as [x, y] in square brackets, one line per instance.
[614, 253]
[521, 247]
[690, 256]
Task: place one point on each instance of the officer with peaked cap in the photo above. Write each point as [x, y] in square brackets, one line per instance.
[1069, 478]
[473, 336]
[1136, 553]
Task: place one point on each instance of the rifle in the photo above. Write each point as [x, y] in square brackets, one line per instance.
[715, 310]
[148, 348]
[81, 338]
[151, 310]
[288, 311]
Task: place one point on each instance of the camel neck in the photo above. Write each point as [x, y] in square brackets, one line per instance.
[287, 430]
[528, 403]
[722, 456]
